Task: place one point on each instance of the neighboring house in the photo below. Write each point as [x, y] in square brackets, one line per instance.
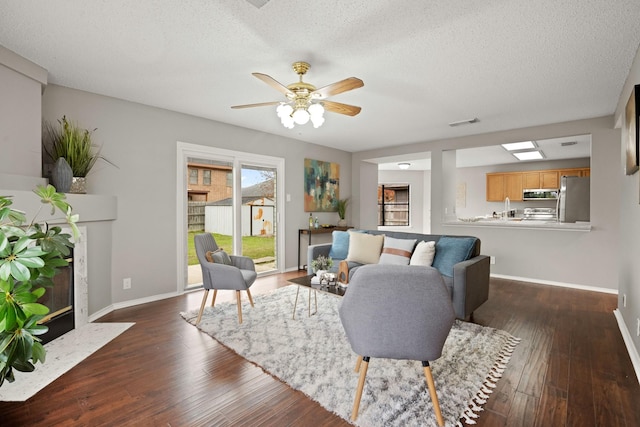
[258, 212]
[208, 182]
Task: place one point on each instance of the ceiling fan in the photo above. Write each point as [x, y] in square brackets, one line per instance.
[305, 102]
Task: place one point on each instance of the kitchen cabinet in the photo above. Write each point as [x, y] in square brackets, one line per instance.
[511, 184]
[583, 172]
[495, 187]
[501, 185]
[549, 179]
[540, 179]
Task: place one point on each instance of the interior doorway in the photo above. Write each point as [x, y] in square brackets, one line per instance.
[232, 195]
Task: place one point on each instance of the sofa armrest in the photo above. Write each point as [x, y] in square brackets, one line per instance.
[314, 251]
[470, 285]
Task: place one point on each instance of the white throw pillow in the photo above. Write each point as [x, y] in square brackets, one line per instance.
[397, 251]
[423, 254]
[364, 248]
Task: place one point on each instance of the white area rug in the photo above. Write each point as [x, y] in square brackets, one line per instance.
[312, 354]
[63, 353]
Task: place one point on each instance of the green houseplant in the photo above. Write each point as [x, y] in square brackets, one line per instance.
[74, 144]
[342, 211]
[322, 263]
[30, 256]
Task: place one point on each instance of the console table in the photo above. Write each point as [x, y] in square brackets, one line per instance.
[311, 232]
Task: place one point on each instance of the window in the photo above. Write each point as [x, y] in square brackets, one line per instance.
[193, 176]
[393, 205]
[229, 179]
[206, 177]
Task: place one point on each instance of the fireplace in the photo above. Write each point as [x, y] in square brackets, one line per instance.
[68, 299]
[60, 300]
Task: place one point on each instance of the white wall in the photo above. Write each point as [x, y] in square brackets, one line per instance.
[576, 258]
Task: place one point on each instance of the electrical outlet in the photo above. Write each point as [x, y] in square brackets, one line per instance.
[493, 260]
[126, 283]
[624, 300]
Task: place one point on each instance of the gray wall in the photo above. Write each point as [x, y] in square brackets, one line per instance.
[629, 217]
[141, 141]
[574, 258]
[20, 102]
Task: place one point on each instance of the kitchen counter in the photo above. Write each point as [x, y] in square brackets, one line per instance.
[522, 224]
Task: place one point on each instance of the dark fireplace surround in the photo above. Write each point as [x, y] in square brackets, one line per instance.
[60, 300]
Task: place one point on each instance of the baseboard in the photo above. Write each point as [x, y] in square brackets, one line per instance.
[130, 303]
[631, 349]
[559, 284]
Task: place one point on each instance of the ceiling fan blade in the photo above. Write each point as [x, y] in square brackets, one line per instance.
[337, 87]
[273, 83]
[261, 104]
[337, 107]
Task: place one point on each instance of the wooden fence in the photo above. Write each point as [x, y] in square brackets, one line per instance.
[195, 216]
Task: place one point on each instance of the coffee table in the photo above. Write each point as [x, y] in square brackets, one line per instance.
[305, 282]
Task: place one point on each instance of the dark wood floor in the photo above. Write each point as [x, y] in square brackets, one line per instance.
[571, 369]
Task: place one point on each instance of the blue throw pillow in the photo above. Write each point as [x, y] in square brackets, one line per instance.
[340, 245]
[450, 251]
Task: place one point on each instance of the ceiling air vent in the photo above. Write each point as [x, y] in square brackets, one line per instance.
[258, 3]
[568, 143]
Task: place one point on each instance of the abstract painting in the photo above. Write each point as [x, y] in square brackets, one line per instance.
[321, 186]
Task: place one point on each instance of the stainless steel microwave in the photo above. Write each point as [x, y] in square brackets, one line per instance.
[540, 194]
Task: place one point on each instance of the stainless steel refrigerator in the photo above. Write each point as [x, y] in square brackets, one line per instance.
[574, 199]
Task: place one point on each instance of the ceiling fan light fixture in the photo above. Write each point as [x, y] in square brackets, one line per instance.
[301, 116]
[316, 110]
[317, 121]
[284, 110]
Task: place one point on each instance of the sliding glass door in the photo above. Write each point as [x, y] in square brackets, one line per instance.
[232, 195]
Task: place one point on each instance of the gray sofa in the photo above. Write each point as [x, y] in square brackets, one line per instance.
[468, 286]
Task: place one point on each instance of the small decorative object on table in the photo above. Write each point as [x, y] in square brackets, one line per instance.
[321, 263]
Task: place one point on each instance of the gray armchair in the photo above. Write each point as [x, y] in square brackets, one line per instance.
[397, 312]
[238, 276]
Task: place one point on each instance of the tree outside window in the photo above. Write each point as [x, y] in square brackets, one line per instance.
[393, 205]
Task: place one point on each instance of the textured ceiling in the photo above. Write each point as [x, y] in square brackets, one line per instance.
[424, 63]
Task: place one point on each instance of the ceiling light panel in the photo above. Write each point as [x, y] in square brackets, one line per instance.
[529, 155]
[514, 146]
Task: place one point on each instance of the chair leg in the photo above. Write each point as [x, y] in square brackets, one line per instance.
[215, 294]
[250, 299]
[239, 307]
[358, 363]
[432, 392]
[204, 301]
[363, 374]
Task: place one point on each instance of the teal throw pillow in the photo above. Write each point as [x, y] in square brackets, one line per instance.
[450, 251]
[340, 245]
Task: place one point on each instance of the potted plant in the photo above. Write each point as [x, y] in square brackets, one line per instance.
[72, 144]
[321, 264]
[30, 256]
[342, 211]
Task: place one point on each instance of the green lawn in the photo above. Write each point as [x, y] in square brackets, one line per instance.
[253, 246]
